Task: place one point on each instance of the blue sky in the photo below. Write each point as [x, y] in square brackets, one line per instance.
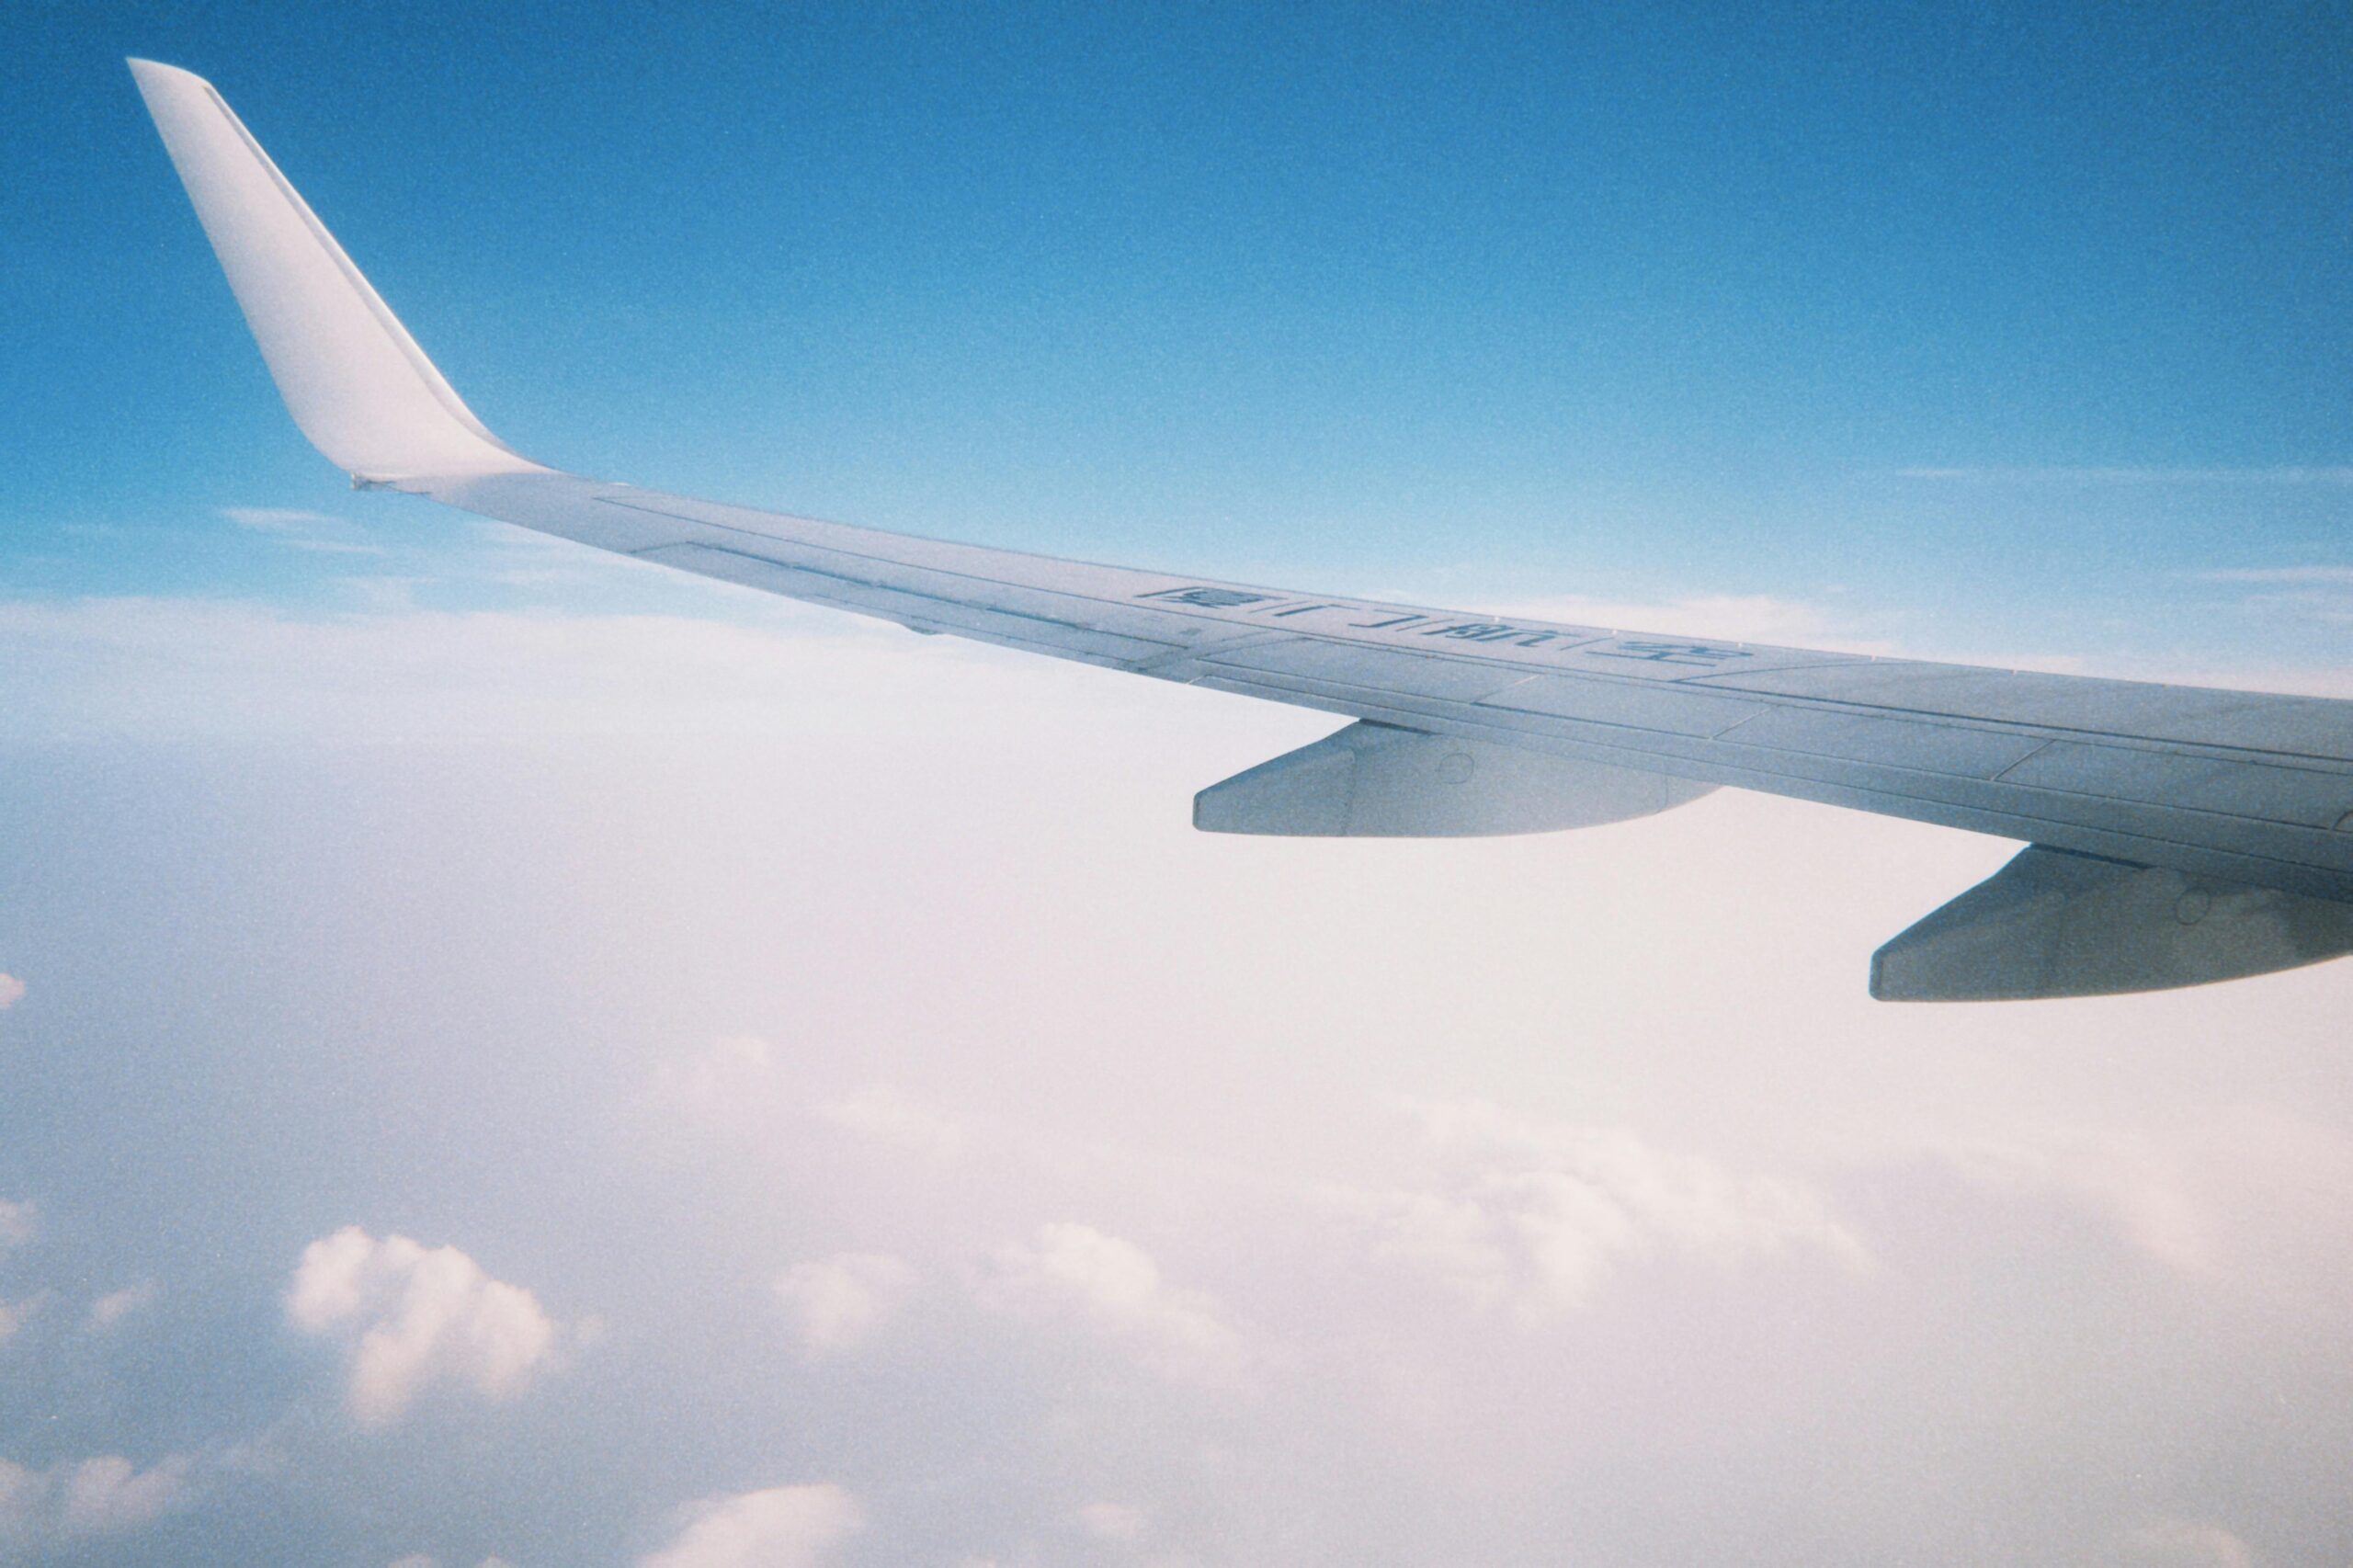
[1623, 302]
[512, 1058]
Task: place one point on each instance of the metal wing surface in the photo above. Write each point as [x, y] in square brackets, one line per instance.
[2174, 801]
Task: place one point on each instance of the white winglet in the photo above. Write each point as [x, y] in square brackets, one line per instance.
[352, 377]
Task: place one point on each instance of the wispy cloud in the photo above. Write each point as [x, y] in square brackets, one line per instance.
[278, 519]
[2125, 474]
[2331, 577]
[2315, 595]
[299, 527]
[2323, 608]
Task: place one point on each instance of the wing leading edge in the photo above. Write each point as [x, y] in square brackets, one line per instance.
[1478, 725]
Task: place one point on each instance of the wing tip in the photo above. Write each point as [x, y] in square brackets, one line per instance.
[355, 383]
[147, 72]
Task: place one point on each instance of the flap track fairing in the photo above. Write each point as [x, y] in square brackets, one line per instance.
[2052, 923]
[1373, 780]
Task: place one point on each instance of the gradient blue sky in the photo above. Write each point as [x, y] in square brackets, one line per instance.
[509, 1057]
[1618, 302]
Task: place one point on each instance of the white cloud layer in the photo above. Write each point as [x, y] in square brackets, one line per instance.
[409, 1317]
[1075, 1274]
[165, 668]
[783, 1527]
[838, 1302]
[1702, 1117]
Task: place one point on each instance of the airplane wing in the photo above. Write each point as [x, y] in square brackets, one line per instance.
[2176, 835]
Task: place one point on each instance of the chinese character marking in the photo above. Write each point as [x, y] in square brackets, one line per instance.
[1474, 631]
[1493, 631]
[1209, 598]
[1704, 655]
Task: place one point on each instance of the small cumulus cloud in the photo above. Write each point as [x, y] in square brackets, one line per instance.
[102, 1496]
[742, 1082]
[837, 1302]
[2246, 1194]
[733, 1079]
[12, 991]
[99, 1496]
[409, 1317]
[2126, 1180]
[17, 1223]
[881, 1112]
[1535, 1217]
[2182, 1543]
[1076, 1274]
[110, 1310]
[1119, 1522]
[20, 1489]
[783, 1527]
